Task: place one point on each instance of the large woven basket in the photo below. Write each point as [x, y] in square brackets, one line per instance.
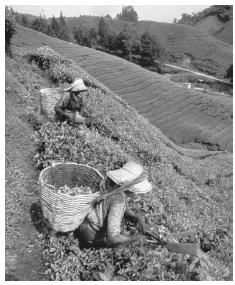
[63, 211]
[48, 97]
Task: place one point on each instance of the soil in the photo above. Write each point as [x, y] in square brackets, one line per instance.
[23, 250]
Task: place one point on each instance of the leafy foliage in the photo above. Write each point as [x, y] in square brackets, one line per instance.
[104, 33]
[152, 48]
[40, 24]
[85, 38]
[44, 57]
[229, 73]
[128, 14]
[118, 133]
[10, 28]
[54, 27]
[223, 12]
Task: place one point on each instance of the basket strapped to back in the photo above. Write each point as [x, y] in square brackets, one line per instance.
[48, 97]
[63, 211]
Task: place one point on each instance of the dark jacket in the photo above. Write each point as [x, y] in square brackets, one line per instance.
[67, 105]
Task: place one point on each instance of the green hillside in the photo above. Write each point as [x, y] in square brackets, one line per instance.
[205, 52]
[192, 189]
[225, 33]
[185, 116]
[217, 20]
[196, 45]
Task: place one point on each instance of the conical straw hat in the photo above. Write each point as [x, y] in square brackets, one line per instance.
[77, 85]
[127, 173]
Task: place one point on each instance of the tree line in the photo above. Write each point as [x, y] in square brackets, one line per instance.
[144, 49]
[223, 12]
[53, 27]
[141, 49]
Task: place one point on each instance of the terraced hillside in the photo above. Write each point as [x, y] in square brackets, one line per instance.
[192, 189]
[185, 116]
[206, 53]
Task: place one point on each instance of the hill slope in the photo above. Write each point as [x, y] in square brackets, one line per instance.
[192, 189]
[197, 44]
[205, 52]
[217, 20]
[214, 26]
[185, 116]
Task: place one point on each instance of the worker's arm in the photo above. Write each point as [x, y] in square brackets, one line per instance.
[60, 107]
[115, 215]
[130, 215]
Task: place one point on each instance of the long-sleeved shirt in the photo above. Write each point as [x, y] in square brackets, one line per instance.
[67, 102]
[104, 222]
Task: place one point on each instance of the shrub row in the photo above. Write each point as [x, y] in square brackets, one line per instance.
[118, 133]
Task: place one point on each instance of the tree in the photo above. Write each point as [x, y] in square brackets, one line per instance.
[54, 25]
[10, 29]
[59, 28]
[103, 32]
[50, 31]
[62, 32]
[125, 41]
[229, 73]
[62, 20]
[93, 37]
[128, 14]
[24, 20]
[40, 24]
[146, 49]
[108, 17]
[79, 35]
[152, 49]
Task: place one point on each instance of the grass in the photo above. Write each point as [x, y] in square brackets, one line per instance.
[192, 189]
[139, 87]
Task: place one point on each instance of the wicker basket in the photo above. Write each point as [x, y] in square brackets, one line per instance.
[47, 101]
[63, 211]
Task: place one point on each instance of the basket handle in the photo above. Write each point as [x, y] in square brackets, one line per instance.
[124, 187]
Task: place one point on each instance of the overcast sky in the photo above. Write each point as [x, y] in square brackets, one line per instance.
[145, 12]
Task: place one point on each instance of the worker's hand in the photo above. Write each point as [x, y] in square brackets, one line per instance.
[78, 119]
[142, 225]
[140, 238]
[88, 121]
[69, 115]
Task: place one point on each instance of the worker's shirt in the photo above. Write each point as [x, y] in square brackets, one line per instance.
[104, 221]
[68, 102]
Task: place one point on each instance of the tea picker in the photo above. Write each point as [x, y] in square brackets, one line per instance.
[95, 217]
[70, 104]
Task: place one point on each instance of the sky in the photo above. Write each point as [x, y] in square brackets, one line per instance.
[151, 12]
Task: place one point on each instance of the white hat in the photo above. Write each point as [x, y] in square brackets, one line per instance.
[77, 85]
[127, 173]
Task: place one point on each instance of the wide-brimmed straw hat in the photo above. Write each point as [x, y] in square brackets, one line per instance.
[127, 173]
[77, 85]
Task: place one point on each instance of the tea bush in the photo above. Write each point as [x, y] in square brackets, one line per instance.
[117, 134]
[10, 28]
[44, 57]
[67, 261]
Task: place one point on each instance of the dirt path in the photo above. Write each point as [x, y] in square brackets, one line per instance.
[198, 73]
[23, 251]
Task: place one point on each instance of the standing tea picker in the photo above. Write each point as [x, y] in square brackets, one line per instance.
[69, 105]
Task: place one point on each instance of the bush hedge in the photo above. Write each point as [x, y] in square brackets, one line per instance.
[10, 29]
[118, 133]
